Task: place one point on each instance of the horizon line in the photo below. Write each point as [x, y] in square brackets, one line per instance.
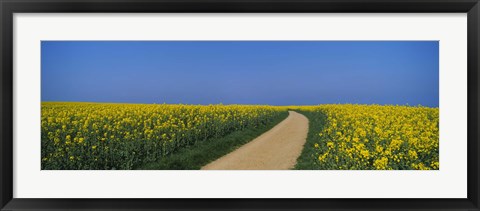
[165, 103]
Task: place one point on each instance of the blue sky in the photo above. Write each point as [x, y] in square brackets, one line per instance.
[241, 72]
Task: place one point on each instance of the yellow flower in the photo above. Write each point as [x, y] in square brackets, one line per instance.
[381, 163]
[412, 154]
[365, 153]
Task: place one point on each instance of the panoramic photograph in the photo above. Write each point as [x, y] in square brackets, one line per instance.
[240, 105]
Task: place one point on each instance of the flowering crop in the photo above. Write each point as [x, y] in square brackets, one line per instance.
[121, 136]
[366, 137]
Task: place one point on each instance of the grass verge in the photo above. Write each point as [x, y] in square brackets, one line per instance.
[307, 159]
[195, 156]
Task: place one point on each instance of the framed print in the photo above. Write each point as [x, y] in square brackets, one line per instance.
[250, 105]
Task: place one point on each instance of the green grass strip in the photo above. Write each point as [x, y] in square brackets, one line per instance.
[195, 156]
[307, 159]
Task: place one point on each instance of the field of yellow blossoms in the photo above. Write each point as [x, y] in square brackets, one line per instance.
[341, 137]
[121, 136]
[371, 137]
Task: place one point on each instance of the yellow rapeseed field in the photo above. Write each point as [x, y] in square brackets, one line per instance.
[341, 137]
[120, 136]
[379, 137]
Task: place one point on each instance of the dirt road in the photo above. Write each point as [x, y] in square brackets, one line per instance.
[277, 149]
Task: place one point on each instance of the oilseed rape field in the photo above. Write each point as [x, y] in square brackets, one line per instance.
[122, 136]
[340, 136]
[372, 137]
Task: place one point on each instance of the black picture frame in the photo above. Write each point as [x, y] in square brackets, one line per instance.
[9, 7]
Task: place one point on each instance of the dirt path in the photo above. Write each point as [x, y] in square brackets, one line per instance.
[276, 149]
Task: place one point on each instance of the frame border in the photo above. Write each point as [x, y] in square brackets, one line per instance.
[9, 7]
